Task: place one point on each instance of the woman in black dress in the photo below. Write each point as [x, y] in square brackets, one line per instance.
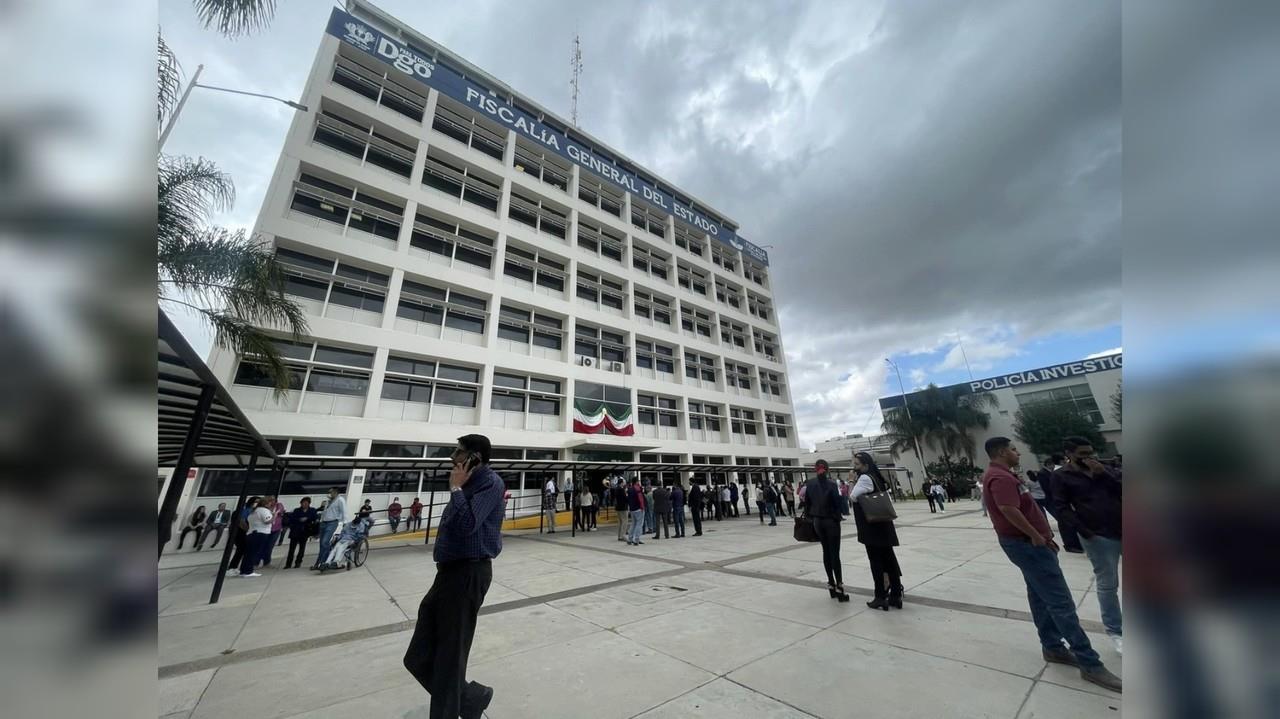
[879, 538]
[822, 505]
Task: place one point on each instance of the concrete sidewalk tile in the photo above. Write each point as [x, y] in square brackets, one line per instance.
[722, 699]
[1049, 701]
[184, 637]
[181, 694]
[596, 676]
[1006, 645]
[320, 676]
[811, 606]
[1067, 676]
[715, 637]
[504, 633]
[834, 675]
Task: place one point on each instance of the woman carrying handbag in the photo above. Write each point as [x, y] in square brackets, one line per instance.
[873, 514]
[822, 503]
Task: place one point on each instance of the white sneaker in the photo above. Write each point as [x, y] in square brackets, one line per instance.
[251, 574]
[1118, 642]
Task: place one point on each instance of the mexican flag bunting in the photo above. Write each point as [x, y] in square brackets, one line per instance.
[591, 417]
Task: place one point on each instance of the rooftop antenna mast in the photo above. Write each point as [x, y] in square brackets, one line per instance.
[575, 63]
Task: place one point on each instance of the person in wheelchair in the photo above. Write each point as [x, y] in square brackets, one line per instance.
[351, 534]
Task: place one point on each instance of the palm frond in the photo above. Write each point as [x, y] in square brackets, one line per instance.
[234, 18]
[246, 340]
[188, 191]
[168, 79]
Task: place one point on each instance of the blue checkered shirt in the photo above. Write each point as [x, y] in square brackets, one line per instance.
[471, 526]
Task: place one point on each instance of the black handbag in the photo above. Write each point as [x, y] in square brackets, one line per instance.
[877, 506]
[804, 531]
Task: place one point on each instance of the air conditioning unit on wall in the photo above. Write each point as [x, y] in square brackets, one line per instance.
[587, 361]
[617, 367]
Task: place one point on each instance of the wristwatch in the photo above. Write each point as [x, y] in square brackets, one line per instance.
[455, 489]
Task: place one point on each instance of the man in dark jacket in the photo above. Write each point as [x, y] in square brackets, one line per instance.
[733, 498]
[218, 521]
[695, 507]
[1088, 496]
[1070, 537]
[302, 521]
[677, 508]
[661, 511]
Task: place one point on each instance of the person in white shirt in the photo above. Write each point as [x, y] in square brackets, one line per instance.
[879, 538]
[549, 504]
[334, 514]
[258, 542]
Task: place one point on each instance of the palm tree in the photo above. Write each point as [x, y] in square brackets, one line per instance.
[942, 420]
[230, 280]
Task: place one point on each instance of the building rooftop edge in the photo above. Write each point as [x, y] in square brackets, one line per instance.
[357, 7]
[896, 398]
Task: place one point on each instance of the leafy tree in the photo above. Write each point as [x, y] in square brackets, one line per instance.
[962, 473]
[941, 419]
[1042, 427]
[1117, 404]
[230, 280]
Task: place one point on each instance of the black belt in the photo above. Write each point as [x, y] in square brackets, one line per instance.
[455, 563]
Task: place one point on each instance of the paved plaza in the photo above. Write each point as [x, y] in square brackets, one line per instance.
[735, 624]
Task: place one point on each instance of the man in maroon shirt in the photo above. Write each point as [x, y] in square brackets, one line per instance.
[1026, 539]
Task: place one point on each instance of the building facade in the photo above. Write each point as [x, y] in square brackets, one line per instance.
[1086, 386]
[470, 263]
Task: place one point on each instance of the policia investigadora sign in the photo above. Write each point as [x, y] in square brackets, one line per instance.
[374, 43]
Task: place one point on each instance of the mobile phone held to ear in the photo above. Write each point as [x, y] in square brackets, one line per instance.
[472, 461]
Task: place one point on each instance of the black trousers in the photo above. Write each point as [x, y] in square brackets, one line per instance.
[884, 561]
[791, 507]
[932, 509]
[665, 518]
[241, 545]
[437, 653]
[211, 530]
[828, 531]
[733, 505]
[183, 536]
[296, 544]
[697, 520]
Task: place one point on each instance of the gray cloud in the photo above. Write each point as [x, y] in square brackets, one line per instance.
[920, 168]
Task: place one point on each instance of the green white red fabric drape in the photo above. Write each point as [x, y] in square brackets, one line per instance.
[595, 417]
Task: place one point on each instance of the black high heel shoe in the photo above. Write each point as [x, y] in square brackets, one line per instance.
[895, 598]
[831, 589]
[878, 603]
[841, 595]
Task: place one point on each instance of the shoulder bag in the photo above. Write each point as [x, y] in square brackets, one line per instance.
[803, 530]
[877, 506]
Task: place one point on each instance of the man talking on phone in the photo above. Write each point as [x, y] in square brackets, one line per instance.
[469, 538]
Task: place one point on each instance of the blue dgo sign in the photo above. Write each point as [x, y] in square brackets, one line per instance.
[374, 43]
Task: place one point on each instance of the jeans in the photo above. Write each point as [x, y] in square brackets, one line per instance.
[257, 544]
[1052, 608]
[271, 544]
[211, 530]
[395, 523]
[637, 525]
[773, 513]
[1104, 554]
[326, 538]
[679, 521]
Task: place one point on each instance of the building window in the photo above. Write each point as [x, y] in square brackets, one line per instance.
[652, 307]
[771, 383]
[691, 279]
[689, 240]
[530, 481]
[776, 425]
[727, 294]
[765, 344]
[378, 86]
[650, 261]
[733, 333]
[657, 410]
[755, 273]
[738, 375]
[759, 306]
[600, 195]
[601, 409]
[655, 356]
[452, 120]
[362, 140]
[521, 393]
[443, 306]
[347, 206]
[601, 290]
[525, 327]
[544, 166]
[1077, 397]
[601, 344]
[600, 240]
[695, 322]
[321, 447]
[448, 239]
[539, 214]
[698, 366]
[333, 289]
[428, 381]
[724, 258]
[651, 221]
[316, 369]
[535, 268]
[743, 421]
[457, 179]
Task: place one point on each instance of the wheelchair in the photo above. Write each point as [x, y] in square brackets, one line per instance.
[355, 554]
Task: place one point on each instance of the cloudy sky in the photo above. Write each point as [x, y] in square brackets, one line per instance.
[928, 173]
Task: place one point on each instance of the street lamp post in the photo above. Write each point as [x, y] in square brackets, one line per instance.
[177, 110]
[907, 408]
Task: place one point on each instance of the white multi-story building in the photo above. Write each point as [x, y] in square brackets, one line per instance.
[470, 263]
